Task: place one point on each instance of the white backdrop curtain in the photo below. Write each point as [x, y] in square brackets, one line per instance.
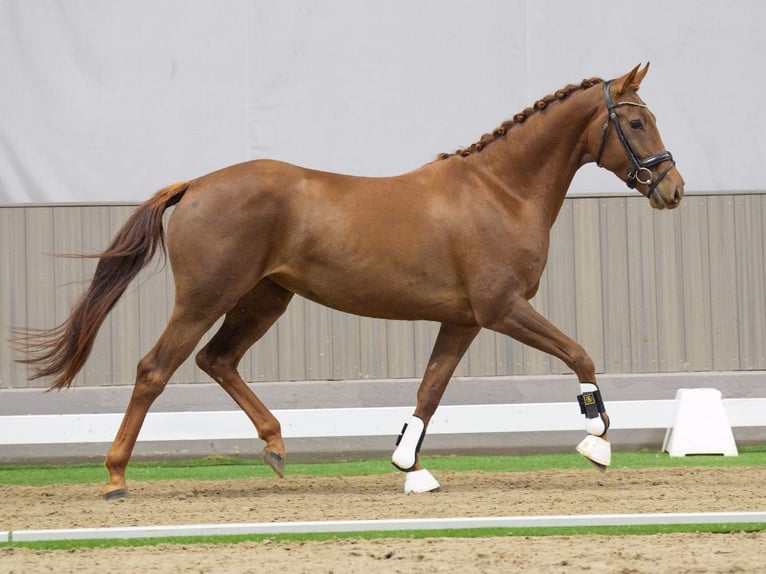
[109, 100]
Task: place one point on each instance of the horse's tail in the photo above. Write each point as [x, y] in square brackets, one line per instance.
[61, 352]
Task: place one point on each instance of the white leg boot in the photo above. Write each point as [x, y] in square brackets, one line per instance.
[594, 447]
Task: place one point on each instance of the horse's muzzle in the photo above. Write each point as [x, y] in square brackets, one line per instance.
[667, 201]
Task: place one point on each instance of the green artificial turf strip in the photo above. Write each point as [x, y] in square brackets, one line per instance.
[218, 468]
[646, 529]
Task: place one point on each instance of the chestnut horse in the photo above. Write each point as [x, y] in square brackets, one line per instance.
[462, 240]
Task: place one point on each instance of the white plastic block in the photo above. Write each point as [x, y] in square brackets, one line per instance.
[701, 425]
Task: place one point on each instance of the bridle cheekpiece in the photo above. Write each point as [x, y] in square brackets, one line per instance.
[640, 167]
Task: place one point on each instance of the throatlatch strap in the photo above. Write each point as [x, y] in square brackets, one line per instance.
[591, 404]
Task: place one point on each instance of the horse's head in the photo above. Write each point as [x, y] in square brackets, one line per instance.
[630, 146]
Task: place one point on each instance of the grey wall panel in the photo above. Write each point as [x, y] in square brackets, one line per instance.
[670, 336]
[372, 356]
[13, 293]
[695, 284]
[614, 278]
[723, 284]
[643, 291]
[641, 300]
[751, 279]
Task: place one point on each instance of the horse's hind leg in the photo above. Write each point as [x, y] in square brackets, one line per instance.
[451, 344]
[176, 343]
[244, 324]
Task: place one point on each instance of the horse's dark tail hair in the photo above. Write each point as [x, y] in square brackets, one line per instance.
[61, 352]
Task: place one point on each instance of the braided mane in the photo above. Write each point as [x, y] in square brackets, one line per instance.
[521, 117]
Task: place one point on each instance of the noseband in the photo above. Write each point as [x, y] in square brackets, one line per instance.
[639, 166]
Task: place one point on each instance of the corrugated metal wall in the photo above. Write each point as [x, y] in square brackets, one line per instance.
[643, 291]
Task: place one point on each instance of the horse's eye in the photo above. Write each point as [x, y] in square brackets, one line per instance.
[636, 124]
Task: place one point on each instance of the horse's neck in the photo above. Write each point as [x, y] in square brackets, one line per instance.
[536, 161]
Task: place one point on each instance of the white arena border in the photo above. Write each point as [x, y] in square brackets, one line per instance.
[357, 422]
[353, 526]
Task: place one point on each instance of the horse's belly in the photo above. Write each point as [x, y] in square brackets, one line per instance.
[384, 297]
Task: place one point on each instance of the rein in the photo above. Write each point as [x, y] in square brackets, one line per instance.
[644, 165]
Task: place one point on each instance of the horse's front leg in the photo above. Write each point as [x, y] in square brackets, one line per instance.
[526, 325]
[451, 344]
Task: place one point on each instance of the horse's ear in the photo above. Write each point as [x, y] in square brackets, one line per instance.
[641, 75]
[631, 80]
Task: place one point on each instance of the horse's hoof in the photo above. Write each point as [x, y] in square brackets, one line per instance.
[419, 481]
[117, 494]
[276, 461]
[597, 450]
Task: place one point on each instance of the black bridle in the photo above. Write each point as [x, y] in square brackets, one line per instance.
[639, 166]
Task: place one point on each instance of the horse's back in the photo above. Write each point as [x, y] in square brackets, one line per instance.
[260, 191]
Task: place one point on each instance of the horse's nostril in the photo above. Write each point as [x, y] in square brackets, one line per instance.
[677, 196]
